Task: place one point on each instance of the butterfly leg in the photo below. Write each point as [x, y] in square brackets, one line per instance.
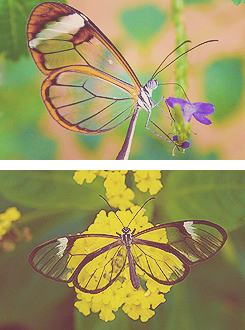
[157, 105]
[146, 126]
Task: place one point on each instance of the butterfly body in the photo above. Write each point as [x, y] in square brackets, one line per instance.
[126, 238]
[144, 99]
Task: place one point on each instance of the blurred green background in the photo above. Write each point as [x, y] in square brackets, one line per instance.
[144, 33]
[53, 205]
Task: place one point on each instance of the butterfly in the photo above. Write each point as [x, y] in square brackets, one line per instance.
[90, 87]
[164, 253]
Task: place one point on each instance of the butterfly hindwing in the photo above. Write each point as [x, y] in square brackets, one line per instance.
[162, 266]
[100, 270]
[81, 101]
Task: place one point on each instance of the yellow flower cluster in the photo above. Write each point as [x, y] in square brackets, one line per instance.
[7, 218]
[135, 303]
[117, 192]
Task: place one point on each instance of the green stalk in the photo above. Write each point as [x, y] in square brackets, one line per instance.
[181, 65]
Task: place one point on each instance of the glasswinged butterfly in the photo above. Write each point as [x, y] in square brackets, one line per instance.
[164, 253]
[90, 87]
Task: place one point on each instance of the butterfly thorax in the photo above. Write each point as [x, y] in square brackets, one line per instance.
[145, 95]
[126, 237]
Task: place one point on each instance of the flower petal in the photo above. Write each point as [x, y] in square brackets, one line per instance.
[185, 145]
[198, 110]
[203, 110]
[202, 119]
[171, 101]
[187, 108]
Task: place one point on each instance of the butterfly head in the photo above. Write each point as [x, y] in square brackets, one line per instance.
[152, 84]
[126, 230]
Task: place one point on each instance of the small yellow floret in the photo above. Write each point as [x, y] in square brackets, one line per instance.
[10, 215]
[148, 180]
[82, 175]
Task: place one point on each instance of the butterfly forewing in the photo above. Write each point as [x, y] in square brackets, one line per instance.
[59, 35]
[196, 240]
[51, 259]
[60, 258]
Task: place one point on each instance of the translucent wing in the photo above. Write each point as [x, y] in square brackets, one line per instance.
[91, 87]
[162, 266]
[63, 258]
[165, 252]
[59, 35]
[86, 100]
[99, 271]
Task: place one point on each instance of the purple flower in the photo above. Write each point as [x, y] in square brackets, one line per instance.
[199, 110]
[183, 145]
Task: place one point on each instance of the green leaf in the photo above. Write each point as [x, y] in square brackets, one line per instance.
[50, 189]
[237, 2]
[223, 85]
[21, 111]
[143, 22]
[13, 20]
[217, 196]
[28, 299]
[207, 290]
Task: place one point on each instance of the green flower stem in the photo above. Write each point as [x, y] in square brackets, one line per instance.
[182, 130]
[181, 65]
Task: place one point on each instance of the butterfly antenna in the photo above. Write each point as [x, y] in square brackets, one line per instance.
[140, 209]
[112, 209]
[155, 72]
[179, 86]
[202, 43]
